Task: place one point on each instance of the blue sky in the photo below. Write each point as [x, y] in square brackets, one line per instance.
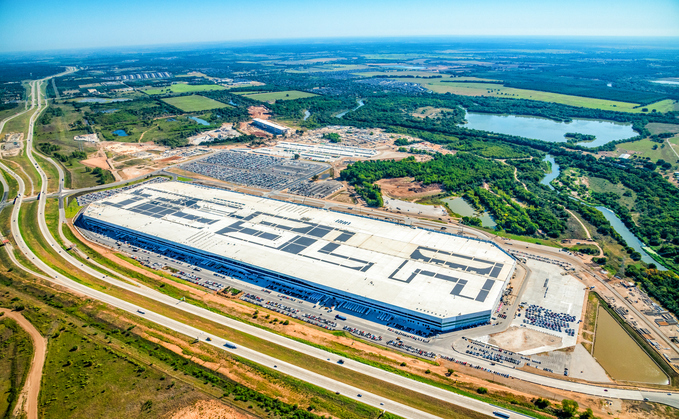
[29, 25]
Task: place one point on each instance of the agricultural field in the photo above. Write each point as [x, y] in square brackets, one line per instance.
[195, 103]
[274, 96]
[182, 88]
[421, 74]
[329, 68]
[497, 90]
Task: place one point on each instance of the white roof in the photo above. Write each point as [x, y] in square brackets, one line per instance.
[429, 272]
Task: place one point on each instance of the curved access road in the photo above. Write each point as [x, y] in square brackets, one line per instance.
[413, 385]
[28, 398]
[54, 276]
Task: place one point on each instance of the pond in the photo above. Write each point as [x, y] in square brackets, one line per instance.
[549, 130]
[620, 355]
[360, 103]
[120, 133]
[459, 206]
[200, 121]
[553, 174]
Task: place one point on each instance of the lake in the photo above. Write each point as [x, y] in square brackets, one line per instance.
[459, 206]
[120, 133]
[553, 174]
[549, 130]
[620, 355]
[200, 121]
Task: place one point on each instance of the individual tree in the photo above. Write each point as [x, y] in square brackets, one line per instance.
[569, 407]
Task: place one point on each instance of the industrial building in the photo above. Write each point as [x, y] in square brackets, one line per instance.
[430, 279]
[270, 126]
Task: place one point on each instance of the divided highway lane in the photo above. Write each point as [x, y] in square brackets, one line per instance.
[297, 372]
[318, 353]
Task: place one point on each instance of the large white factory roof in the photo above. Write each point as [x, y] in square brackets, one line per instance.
[432, 273]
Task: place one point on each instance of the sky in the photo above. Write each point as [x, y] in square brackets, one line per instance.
[38, 25]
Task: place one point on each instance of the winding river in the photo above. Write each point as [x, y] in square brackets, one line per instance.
[549, 177]
[617, 224]
[360, 103]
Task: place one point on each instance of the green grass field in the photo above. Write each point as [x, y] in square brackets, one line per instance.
[183, 88]
[601, 185]
[329, 68]
[667, 105]
[194, 103]
[17, 350]
[658, 128]
[644, 148]
[497, 90]
[274, 96]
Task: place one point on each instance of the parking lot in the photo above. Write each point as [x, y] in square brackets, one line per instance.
[266, 172]
[96, 196]
[552, 304]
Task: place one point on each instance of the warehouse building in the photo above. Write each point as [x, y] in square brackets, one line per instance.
[430, 279]
[270, 126]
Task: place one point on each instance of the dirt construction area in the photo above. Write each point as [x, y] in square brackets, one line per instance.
[260, 112]
[518, 339]
[407, 188]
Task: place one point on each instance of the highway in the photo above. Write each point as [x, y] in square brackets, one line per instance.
[297, 372]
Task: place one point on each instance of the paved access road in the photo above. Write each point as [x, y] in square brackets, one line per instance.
[324, 382]
[293, 345]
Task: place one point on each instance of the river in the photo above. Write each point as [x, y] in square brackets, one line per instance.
[307, 114]
[549, 177]
[630, 238]
[360, 103]
[617, 224]
[549, 130]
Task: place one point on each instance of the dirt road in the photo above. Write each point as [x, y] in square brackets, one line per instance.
[28, 399]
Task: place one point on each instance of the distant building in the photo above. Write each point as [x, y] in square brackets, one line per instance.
[270, 127]
[625, 156]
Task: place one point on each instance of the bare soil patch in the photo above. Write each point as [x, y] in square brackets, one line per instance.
[209, 409]
[517, 339]
[99, 161]
[132, 172]
[260, 112]
[408, 188]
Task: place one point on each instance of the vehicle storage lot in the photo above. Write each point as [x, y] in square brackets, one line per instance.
[547, 288]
